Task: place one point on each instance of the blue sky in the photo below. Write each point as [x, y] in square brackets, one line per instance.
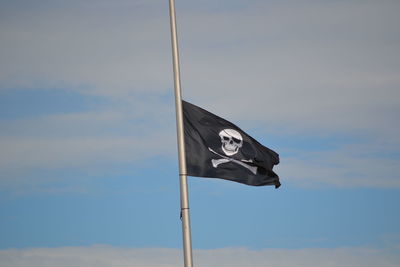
[88, 161]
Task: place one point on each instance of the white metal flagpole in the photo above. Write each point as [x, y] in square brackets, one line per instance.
[187, 242]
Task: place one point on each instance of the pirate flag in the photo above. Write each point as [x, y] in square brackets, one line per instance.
[219, 149]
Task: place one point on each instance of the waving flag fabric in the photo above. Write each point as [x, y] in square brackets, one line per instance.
[217, 148]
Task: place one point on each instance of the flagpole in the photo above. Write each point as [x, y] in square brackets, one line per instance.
[187, 242]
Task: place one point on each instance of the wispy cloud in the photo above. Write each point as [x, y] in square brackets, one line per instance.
[232, 257]
[76, 140]
[109, 49]
[341, 168]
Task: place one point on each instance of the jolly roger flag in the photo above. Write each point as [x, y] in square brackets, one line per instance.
[217, 148]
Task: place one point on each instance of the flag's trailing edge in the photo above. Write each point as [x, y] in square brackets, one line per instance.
[217, 148]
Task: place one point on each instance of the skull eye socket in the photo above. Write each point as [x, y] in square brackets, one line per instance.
[236, 140]
[225, 138]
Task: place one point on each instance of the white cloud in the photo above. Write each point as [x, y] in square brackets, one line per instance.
[108, 48]
[339, 168]
[312, 65]
[104, 256]
[83, 139]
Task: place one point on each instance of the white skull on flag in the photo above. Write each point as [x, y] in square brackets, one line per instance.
[231, 141]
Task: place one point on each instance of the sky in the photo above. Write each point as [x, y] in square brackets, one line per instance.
[88, 154]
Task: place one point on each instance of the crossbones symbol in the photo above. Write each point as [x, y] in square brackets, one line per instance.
[231, 141]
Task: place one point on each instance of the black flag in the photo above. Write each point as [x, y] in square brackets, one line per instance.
[217, 148]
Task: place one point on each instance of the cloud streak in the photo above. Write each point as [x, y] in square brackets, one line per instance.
[232, 257]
